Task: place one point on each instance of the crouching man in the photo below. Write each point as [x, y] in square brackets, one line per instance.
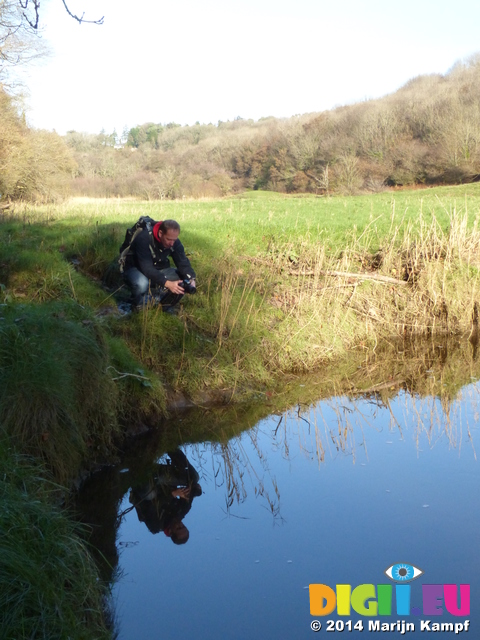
[148, 273]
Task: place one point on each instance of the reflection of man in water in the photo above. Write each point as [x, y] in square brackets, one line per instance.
[167, 498]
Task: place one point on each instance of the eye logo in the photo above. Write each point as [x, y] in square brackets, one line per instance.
[403, 572]
[377, 600]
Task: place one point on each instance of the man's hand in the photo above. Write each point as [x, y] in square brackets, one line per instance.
[181, 493]
[174, 286]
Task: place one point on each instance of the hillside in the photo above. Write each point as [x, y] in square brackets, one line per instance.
[428, 132]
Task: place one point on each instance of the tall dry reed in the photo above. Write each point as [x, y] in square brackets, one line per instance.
[417, 280]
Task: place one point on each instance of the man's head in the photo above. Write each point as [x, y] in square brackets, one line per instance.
[179, 533]
[168, 232]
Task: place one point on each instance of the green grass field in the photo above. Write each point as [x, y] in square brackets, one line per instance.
[247, 222]
[267, 301]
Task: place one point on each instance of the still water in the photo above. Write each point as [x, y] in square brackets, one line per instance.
[333, 493]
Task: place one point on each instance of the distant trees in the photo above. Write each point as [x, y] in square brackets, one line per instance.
[427, 132]
[34, 165]
[157, 161]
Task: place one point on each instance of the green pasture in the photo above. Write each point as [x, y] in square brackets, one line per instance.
[246, 222]
[42, 246]
[264, 306]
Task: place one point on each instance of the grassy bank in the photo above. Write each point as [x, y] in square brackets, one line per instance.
[286, 286]
[48, 585]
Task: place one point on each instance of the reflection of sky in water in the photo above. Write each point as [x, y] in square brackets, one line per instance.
[397, 484]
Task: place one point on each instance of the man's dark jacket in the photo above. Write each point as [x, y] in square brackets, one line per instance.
[140, 256]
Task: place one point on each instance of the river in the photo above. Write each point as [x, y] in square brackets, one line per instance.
[336, 492]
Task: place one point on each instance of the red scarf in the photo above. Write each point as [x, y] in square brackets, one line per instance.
[156, 229]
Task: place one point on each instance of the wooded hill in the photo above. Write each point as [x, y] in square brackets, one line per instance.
[428, 132]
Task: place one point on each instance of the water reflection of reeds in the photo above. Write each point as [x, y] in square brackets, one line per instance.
[237, 468]
[424, 393]
[339, 426]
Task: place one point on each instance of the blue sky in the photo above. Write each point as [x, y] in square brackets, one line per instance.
[210, 60]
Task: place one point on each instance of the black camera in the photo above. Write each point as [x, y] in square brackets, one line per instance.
[188, 286]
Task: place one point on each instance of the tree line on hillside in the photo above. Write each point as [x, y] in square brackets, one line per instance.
[428, 132]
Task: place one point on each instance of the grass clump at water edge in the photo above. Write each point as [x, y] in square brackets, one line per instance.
[64, 386]
[48, 581]
[56, 399]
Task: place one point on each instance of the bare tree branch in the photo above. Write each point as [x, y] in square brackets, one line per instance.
[35, 4]
[19, 43]
[77, 18]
